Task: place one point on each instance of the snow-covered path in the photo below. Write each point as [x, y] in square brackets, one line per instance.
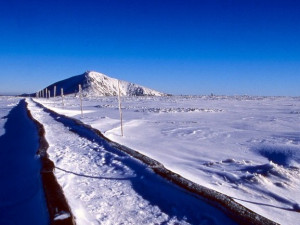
[22, 199]
[106, 186]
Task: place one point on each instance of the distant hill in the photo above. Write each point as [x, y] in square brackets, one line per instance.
[98, 84]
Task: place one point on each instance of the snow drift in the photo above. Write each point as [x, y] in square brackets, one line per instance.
[98, 84]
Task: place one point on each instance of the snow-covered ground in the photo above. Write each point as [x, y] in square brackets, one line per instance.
[105, 186]
[245, 147]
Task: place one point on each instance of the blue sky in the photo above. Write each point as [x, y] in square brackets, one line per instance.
[177, 46]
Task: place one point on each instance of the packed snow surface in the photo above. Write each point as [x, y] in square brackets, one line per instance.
[246, 147]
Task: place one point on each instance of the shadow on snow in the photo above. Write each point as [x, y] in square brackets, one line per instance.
[22, 199]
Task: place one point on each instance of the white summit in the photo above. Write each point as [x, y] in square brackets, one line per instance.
[98, 84]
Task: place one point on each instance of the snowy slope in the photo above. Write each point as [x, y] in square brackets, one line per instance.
[98, 84]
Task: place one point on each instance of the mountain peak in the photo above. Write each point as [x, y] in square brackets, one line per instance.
[98, 84]
[91, 73]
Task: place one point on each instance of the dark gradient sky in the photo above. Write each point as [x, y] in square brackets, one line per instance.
[177, 46]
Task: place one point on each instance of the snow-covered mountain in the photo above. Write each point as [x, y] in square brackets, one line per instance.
[98, 84]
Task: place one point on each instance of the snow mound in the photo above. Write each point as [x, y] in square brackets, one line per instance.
[98, 84]
[236, 172]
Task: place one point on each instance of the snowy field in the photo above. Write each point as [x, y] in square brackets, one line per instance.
[106, 186]
[245, 147]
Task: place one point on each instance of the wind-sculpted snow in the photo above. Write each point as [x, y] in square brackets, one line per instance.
[246, 147]
[237, 173]
[282, 155]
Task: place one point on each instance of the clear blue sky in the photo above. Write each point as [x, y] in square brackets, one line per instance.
[176, 46]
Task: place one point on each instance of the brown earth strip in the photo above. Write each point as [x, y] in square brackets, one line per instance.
[234, 210]
[56, 201]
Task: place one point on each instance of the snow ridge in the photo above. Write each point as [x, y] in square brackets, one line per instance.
[100, 84]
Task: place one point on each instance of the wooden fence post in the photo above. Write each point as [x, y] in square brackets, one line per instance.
[62, 96]
[80, 96]
[120, 108]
